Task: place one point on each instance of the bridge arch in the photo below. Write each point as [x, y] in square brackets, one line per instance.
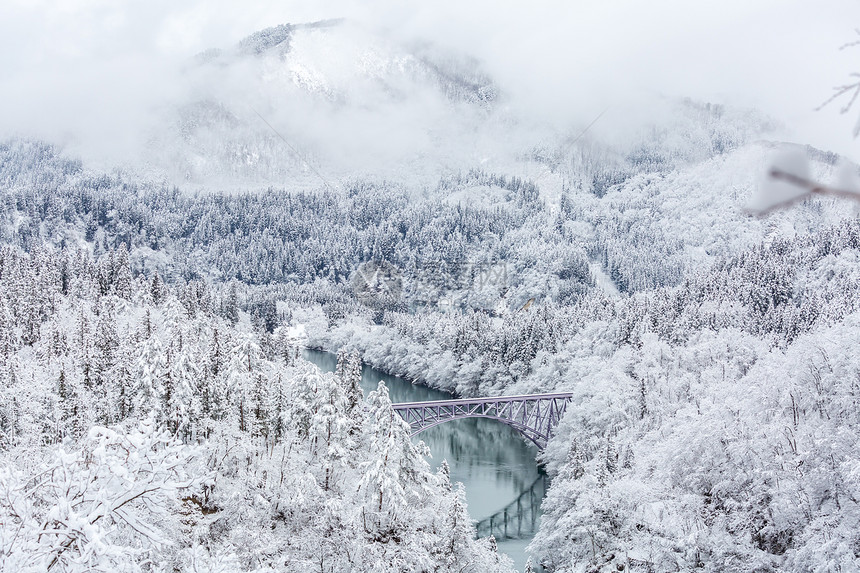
[533, 415]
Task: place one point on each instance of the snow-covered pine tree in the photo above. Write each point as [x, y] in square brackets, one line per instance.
[329, 427]
[529, 568]
[157, 289]
[151, 371]
[392, 475]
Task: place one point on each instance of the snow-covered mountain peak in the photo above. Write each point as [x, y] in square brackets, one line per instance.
[321, 101]
[340, 58]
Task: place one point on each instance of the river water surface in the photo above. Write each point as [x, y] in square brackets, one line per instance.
[504, 485]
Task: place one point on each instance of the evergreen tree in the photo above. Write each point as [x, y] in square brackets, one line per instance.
[329, 427]
[151, 370]
[104, 360]
[279, 410]
[216, 358]
[460, 530]
[529, 567]
[230, 305]
[71, 422]
[157, 289]
[8, 332]
[348, 373]
[244, 364]
[122, 277]
[390, 476]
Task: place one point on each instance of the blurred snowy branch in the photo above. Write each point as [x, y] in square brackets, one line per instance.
[787, 181]
[852, 88]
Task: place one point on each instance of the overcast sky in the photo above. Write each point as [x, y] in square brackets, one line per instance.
[74, 65]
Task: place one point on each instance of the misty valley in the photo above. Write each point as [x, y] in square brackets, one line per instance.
[208, 333]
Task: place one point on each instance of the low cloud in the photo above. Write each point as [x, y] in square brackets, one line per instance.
[98, 75]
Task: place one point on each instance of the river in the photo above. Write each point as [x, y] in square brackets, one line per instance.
[504, 485]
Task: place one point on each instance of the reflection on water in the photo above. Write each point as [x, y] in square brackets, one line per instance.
[504, 485]
[520, 518]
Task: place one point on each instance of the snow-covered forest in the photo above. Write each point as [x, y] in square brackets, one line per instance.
[141, 429]
[156, 414]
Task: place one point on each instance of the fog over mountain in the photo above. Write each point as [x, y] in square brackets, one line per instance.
[328, 100]
[108, 79]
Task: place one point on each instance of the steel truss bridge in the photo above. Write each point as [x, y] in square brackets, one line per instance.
[533, 415]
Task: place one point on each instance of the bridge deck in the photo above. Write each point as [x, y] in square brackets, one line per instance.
[464, 401]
